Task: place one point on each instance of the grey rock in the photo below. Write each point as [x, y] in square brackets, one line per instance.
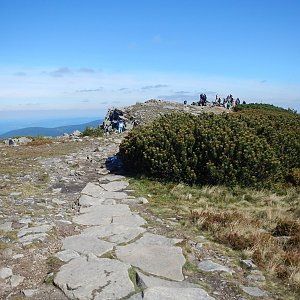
[14, 194]
[33, 230]
[76, 133]
[248, 264]
[130, 221]
[210, 266]
[114, 233]
[15, 280]
[101, 214]
[96, 191]
[67, 255]
[17, 256]
[25, 220]
[7, 226]
[5, 273]
[111, 177]
[115, 186]
[138, 296]
[143, 200]
[156, 240]
[145, 281]
[171, 293]
[87, 244]
[161, 258]
[86, 200]
[24, 140]
[29, 292]
[93, 190]
[94, 278]
[28, 239]
[256, 276]
[58, 202]
[254, 291]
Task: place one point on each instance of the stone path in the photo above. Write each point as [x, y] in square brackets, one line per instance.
[79, 230]
[115, 245]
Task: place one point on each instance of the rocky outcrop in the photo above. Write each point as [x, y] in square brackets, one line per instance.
[141, 113]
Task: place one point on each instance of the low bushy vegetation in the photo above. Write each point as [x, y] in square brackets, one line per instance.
[260, 106]
[94, 132]
[40, 140]
[250, 148]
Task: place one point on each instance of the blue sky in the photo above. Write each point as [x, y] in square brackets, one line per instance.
[85, 56]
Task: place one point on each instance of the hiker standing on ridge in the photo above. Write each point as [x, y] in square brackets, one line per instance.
[120, 126]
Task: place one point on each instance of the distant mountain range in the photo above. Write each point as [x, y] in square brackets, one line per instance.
[43, 131]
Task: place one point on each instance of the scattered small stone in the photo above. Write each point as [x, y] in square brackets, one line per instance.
[7, 226]
[256, 276]
[15, 194]
[210, 266]
[17, 256]
[57, 201]
[28, 239]
[248, 264]
[142, 200]
[254, 291]
[67, 255]
[33, 230]
[5, 273]
[29, 292]
[15, 280]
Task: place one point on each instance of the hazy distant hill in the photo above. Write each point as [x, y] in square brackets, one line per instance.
[36, 131]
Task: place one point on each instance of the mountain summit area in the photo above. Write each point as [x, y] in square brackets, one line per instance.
[78, 222]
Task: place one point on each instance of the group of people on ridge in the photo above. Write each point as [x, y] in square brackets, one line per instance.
[227, 102]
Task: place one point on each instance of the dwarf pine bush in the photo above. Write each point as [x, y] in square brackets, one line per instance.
[236, 149]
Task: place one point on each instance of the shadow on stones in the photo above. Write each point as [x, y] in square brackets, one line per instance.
[114, 165]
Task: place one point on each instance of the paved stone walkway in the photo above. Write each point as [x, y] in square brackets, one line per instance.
[115, 257]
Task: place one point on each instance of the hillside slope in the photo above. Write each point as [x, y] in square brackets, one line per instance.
[43, 131]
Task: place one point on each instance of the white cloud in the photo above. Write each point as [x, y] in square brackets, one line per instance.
[105, 88]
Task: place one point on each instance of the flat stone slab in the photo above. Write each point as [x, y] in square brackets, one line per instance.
[85, 244]
[253, 291]
[115, 186]
[114, 233]
[145, 281]
[114, 195]
[111, 177]
[67, 255]
[96, 191]
[94, 278]
[156, 239]
[29, 238]
[101, 214]
[86, 200]
[160, 259]
[171, 293]
[92, 189]
[130, 221]
[210, 266]
[33, 230]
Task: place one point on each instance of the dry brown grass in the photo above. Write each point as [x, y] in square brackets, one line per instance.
[262, 225]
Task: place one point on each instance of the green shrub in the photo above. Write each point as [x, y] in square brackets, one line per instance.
[245, 149]
[95, 132]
